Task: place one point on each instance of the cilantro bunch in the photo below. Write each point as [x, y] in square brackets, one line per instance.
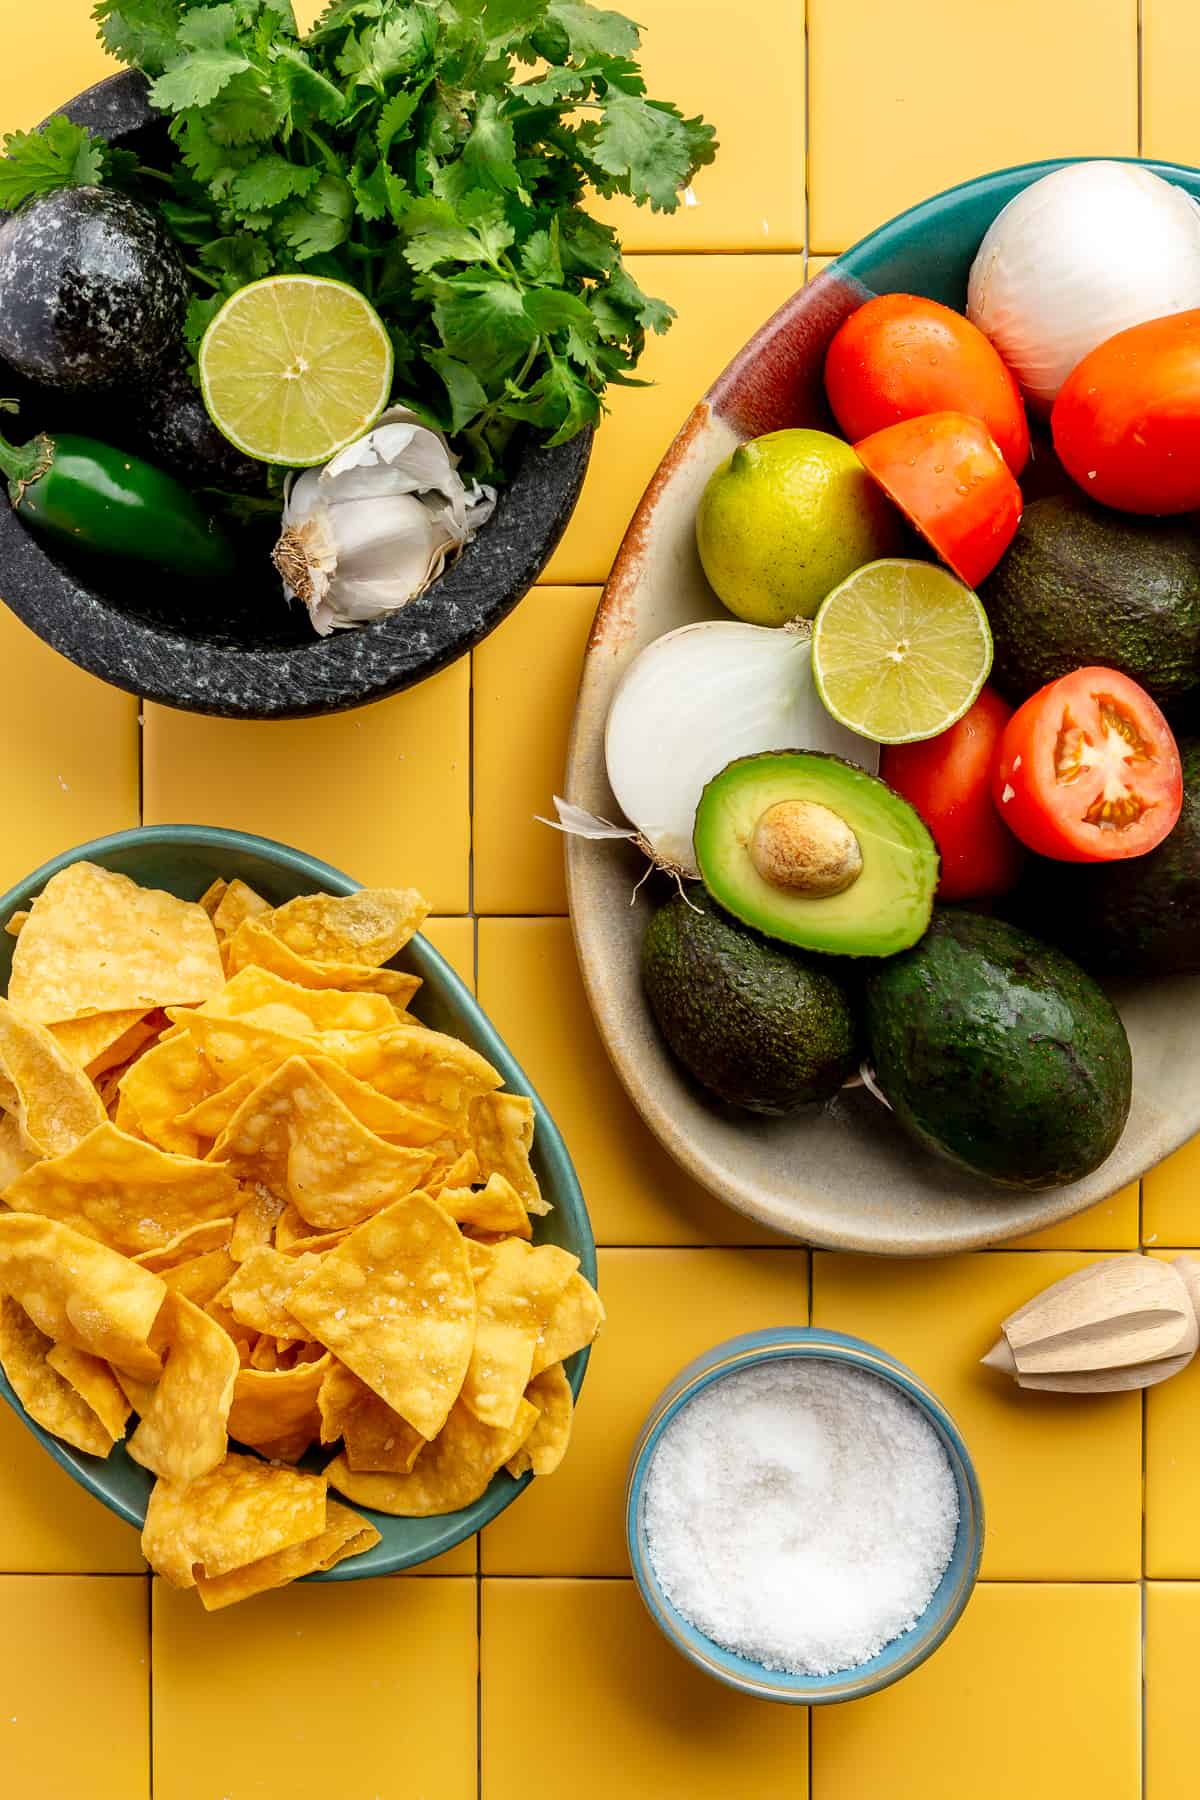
[434, 153]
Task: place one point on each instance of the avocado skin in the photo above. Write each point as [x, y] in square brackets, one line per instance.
[998, 1052]
[757, 1023]
[1137, 917]
[1082, 586]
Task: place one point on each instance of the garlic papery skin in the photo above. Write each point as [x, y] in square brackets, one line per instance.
[368, 533]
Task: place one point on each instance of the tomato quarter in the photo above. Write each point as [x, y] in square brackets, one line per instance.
[946, 475]
[949, 781]
[1088, 770]
[1127, 419]
[901, 356]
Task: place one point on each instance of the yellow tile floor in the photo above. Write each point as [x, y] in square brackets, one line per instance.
[522, 1665]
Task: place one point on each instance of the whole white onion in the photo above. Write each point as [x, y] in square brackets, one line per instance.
[1076, 257]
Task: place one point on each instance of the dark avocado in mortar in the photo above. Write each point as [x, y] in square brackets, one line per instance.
[760, 1025]
[1081, 585]
[93, 291]
[998, 1052]
[1139, 916]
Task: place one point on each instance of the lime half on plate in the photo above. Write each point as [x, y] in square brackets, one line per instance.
[900, 650]
[296, 367]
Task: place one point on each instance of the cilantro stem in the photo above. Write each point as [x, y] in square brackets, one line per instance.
[333, 162]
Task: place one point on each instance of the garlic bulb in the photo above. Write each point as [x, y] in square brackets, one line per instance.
[370, 531]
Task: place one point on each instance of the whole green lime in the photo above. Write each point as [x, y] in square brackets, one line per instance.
[785, 519]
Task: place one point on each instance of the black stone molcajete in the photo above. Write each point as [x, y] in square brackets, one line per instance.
[240, 652]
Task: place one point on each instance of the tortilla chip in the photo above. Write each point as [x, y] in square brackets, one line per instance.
[259, 1295]
[95, 1384]
[182, 1435]
[376, 1438]
[51, 1098]
[496, 1208]
[209, 1117]
[232, 1048]
[394, 1119]
[213, 895]
[453, 1471]
[295, 1136]
[256, 1220]
[396, 1303]
[269, 1404]
[201, 1278]
[103, 1040]
[411, 1063]
[255, 945]
[572, 1325]
[50, 1400]
[283, 1006]
[191, 1243]
[80, 1293]
[241, 1512]
[369, 927]
[125, 1193]
[96, 942]
[17, 922]
[238, 902]
[546, 1444]
[162, 1086]
[454, 1168]
[346, 1533]
[502, 1132]
[288, 1449]
[517, 1289]
[15, 1153]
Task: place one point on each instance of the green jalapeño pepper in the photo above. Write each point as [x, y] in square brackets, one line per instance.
[113, 504]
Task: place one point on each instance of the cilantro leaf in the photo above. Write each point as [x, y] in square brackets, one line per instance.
[540, 259]
[307, 88]
[60, 155]
[437, 234]
[200, 315]
[208, 57]
[560, 402]
[591, 31]
[242, 256]
[395, 121]
[322, 222]
[553, 308]
[384, 50]
[489, 154]
[467, 394]
[140, 32]
[271, 179]
[650, 314]
[483, 323]
[649, 148]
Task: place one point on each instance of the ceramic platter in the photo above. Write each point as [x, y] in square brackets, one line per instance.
[843, 1176]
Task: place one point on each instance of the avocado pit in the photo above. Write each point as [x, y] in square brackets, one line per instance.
[805, 848]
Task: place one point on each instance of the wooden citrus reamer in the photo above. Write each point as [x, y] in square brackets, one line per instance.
[1127, 1322]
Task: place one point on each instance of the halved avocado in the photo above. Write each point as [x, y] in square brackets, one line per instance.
[814, 851]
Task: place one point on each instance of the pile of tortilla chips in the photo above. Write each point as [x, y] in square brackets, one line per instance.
[248, 1196]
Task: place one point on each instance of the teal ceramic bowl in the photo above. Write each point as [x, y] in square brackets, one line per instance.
[184, 859]
[905, 1652]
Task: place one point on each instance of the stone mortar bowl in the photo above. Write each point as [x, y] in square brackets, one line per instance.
[240, 652]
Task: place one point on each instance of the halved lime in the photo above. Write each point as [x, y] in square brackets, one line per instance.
[900, 650]
[296, 367]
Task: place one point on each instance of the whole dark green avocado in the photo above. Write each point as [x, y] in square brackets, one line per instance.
[1140, 916]
[1080, 585]
[760, 1025]
[999, 1053]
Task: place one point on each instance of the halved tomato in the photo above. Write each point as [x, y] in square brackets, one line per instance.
[947, 476]
[1088, 770]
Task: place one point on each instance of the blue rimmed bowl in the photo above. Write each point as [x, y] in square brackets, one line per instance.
[945, 1608]
[184, 859]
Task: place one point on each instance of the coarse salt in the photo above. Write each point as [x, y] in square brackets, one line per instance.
[800, 1513]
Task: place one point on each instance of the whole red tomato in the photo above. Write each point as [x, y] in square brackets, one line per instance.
[1088, 770]
[947, 476]
[948, 779]
[1126, 422]
[900, 356]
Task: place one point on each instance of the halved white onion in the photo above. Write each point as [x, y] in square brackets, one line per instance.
[696, 699]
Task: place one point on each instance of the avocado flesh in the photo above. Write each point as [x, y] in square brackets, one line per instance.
[999, 1053]
[887, 907]
[1137, 917]
[1081, 586]
[757, 1024]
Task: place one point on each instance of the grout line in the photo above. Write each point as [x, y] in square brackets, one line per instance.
[478, 1665]
[807, 61]
[140, 728]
